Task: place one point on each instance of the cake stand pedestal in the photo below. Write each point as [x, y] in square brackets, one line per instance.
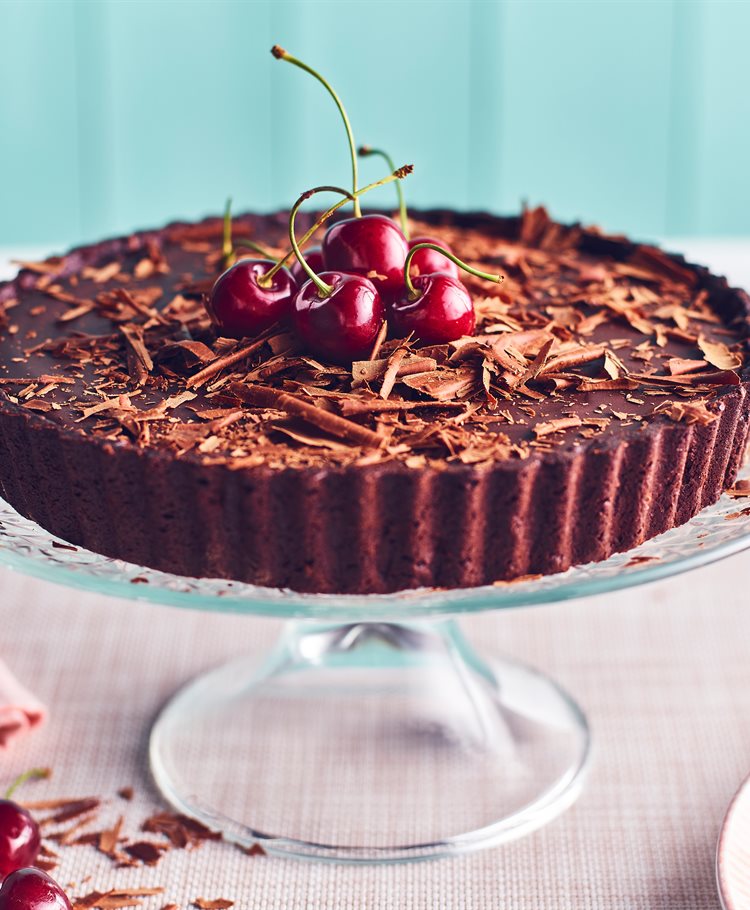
[372, 731]
[411, 745]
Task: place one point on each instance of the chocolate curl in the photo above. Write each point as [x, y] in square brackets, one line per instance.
[266, 397]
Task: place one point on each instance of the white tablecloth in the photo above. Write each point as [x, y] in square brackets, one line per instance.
[662, 671]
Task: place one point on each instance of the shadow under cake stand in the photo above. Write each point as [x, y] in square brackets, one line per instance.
[372, 731]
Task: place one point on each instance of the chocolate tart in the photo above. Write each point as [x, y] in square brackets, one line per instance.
[602, 400]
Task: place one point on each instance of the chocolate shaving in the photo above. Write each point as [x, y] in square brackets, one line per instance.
[609, 385]
[267, 397]
[687, 380]
[227, 360]
[679, 366]
[51, 266]
[309, 437]
[718, 354]
[382, 335]
[180, 830]
[351, 406]
[111, 900]
[69, 835]
[140, 363]
[686, 411]
[444, 385]
[145, 852]
[192, 352]
[575, 358]
[566, 423]
[109, 838]
[374, 370]
[103, 274]
[219, 903]
[44, 804]
[391, 372]
[67, 809]
[254, 850]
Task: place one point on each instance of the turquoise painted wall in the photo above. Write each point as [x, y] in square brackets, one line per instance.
[116, 114]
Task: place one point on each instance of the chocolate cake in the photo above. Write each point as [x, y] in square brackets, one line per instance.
[601, 401]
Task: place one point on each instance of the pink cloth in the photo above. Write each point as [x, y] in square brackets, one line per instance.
[19, 709]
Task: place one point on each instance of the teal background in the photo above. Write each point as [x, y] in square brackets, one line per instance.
[116, 114]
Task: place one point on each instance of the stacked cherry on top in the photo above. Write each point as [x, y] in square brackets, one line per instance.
[367, 278]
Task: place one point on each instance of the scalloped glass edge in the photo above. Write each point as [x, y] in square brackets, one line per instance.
[719, 530]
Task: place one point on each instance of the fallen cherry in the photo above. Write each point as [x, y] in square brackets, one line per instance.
[427, 260]
[442, 311]
[19, 837]
[315, 260]
[19, 832]
[32, 889]
[341, 322]
[435, 308]
[250, 297]
[372, 246]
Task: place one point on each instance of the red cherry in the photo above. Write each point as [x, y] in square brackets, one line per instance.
[19, 837]
[315, 260]
[426, 262]
[442, 312]
[343, 326]
[241, 307]
[371, 244]
[32, 889]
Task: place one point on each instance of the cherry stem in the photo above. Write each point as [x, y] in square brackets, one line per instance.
[325, 290]
[227, 251]
[414, 293]
[398, 174]
[265, 280]
[255, 247]
[280, 54]
[365, 151]
[33, 774]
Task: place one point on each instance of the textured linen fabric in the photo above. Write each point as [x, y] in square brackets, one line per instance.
[662, 672]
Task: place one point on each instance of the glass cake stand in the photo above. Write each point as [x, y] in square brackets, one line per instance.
[372, 731]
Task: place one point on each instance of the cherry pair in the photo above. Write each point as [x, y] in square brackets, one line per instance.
[24, 888]
[20, 838]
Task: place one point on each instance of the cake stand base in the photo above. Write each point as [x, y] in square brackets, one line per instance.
[371, 742]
